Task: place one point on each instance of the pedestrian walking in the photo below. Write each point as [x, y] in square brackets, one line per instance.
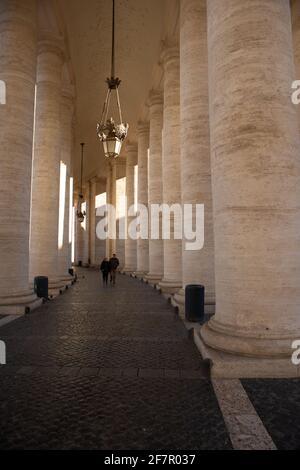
[113, 266]
[105, 268]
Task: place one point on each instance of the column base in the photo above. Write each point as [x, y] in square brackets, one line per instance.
[140, 274]
[67, 280]
[153, 278]
[178, 300]
[245, 356]
[168, 288]
[127, 270]
[56, 287]
[19, 304]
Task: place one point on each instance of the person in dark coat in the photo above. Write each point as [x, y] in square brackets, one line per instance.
[113, 266]
[105, 269]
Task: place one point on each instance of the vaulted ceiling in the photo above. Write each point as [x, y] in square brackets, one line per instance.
[139, 31]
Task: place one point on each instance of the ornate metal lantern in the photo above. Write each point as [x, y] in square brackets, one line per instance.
[81, 215]
[111, 134]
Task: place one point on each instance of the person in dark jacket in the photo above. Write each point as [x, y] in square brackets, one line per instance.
[105, 269]
[113, 266]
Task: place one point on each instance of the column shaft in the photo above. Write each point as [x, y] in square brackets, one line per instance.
[67, 111]
[92, 217]
[111, 199]
[143, 244]
[256, 191]
[130, 244]
[197, 265]
[156, 254]
[172, 278]
[46, 164]
[18, 49]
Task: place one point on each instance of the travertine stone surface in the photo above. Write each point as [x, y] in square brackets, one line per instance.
[130, 244]
[197, 266]
[172, 272]
[111, 194]
[18, 49]
[295, 7]
[46, 163]
[156, 253]
[66, 120]
[92, 218]
[143, 147]
[256, 191]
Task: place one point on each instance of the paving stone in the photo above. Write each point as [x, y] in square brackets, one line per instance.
[277, 402]
[106, 369]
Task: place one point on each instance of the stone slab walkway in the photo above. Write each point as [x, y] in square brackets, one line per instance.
[109, 368]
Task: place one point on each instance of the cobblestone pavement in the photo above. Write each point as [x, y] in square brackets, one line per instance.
[106, 368]
[277, 401]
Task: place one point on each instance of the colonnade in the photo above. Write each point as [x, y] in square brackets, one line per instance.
[35, 140]
[223, 132]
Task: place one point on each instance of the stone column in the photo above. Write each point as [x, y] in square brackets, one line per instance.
[66, 120]
[92, 218]
[18, 49]
[197, 265]
[256, 192]
[295, 5]
[111, 199]
[172, 278]
[143, 147]
[46, 164]
[130, 244]
[156, 254]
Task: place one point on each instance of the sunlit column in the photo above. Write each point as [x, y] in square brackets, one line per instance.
[198, 264]
[18, 49]
[172, 278]
[130, 243]
[156, 254]
[142, 198]
[46, 164]
[256, 191]
[64, 239]
[92, 214]
[111, 199]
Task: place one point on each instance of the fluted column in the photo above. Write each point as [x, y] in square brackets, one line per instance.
[256, 191]
[66, 120]
[18, 49]
[46, 164]
[197, 265]
[92, 214]
[142, 243]
[172, 278]
[130, 244]
[156, 254]
[295, 5]
[111, 199]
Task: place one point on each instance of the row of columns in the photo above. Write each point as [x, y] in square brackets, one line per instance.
[224, 133]
[36, 120]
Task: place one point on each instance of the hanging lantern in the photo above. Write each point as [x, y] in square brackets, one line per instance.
[110, 133]
[81, 215]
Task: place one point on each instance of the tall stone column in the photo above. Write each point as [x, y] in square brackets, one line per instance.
[197, 265]
[142, 243]
[92, 218]
[172, 278]
[46, 164]
[130, 244]
[156, 253]
[18, 49]
[256, 192]
[295, 5]
[111, 199]
[66, 121]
